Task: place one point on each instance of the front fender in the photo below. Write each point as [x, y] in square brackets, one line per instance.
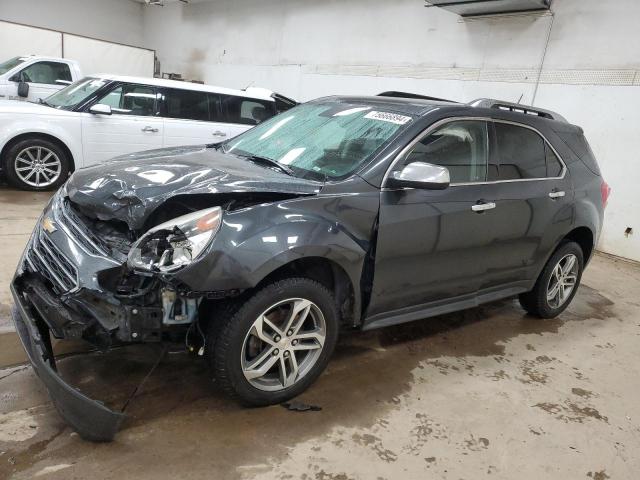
[254, 242]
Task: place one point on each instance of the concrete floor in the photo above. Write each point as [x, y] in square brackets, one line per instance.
[18, 213]
[484, 393]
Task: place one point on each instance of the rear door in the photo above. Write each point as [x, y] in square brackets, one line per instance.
[188, 117]
[533, 199]
[133, 126]
[431, 243]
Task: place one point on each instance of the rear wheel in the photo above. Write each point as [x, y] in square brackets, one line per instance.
[276, 344]
[36, 164]
[557, 284]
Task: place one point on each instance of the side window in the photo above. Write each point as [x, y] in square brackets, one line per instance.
[50, 73]
[186, 104]
[554, 167]
[215, 108]
[131, 99]
[521, 151]
[461, 146]
[248, 111]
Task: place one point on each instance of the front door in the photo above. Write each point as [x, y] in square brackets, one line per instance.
[133, 125]
[431, 243]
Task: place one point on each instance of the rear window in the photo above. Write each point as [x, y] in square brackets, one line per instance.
[247, 111]
[186, 104]
[521, 151]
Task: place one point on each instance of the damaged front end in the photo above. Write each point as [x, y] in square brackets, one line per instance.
[81, 277]
[135, 250]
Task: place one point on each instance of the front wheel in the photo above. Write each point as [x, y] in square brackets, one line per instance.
[36, 164]
[276, 344]
[557, 284]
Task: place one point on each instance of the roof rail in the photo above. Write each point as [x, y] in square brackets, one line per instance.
[516, 107]
[396, 94]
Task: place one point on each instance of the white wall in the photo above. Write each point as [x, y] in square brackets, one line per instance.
[113, 20]
[95, 31]
[306, 48]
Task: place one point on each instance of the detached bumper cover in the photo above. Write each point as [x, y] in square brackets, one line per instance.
[90, 418]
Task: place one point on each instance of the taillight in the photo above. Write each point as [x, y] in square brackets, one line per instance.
[605, 190]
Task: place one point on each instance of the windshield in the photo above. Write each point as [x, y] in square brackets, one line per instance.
[328, 140]
[11, 64]
[74, 94]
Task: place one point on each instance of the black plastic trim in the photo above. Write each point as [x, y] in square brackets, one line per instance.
[90, 418]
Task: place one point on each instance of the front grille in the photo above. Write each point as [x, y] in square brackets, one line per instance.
[83, 235]
[47, 260]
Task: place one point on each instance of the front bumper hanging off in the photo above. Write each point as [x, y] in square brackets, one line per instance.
[90, 418]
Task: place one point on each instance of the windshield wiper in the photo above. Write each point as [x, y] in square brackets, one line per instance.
[269, 161]
[43, 102]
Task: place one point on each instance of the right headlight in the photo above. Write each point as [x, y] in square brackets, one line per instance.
[176, 243]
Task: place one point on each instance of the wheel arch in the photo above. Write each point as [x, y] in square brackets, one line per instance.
[45, 136]
[326, 272]
[584, 237]
[581, 235]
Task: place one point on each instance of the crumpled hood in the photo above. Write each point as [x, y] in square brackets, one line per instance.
[130, 187]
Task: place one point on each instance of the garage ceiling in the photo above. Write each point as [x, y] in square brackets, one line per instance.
[468, 8]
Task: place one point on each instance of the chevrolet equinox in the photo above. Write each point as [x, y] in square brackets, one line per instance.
[341, 213]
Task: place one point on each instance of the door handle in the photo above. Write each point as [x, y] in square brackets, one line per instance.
[481, 207]
[149, 129]
[218, 133]
[556, 194]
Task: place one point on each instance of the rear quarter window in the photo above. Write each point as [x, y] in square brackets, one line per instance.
[554, 167]
[580, 147]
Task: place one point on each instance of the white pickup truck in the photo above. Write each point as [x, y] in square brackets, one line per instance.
[34, 77]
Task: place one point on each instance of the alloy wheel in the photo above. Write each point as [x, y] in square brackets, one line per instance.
[563, 281]
[283, 344]
[38, 166]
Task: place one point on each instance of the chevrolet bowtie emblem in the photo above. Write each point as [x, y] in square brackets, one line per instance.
[49, 225]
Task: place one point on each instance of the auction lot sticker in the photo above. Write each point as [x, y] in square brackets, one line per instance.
[388, 117]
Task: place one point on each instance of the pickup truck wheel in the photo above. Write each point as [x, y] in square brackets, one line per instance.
[276, 344]
[557, 284]
[36, 164]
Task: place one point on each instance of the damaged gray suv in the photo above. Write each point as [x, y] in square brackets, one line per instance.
[342, 213]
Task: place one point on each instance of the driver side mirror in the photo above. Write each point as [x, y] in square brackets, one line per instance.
[421, 175]
[23, 89]
[100, 109]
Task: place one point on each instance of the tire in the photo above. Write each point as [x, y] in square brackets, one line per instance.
[233, 346]
[539, 301]
[36, 164]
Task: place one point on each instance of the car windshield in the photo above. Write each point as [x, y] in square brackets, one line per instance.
[74, 94]
[324, 140]
[11, 64]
